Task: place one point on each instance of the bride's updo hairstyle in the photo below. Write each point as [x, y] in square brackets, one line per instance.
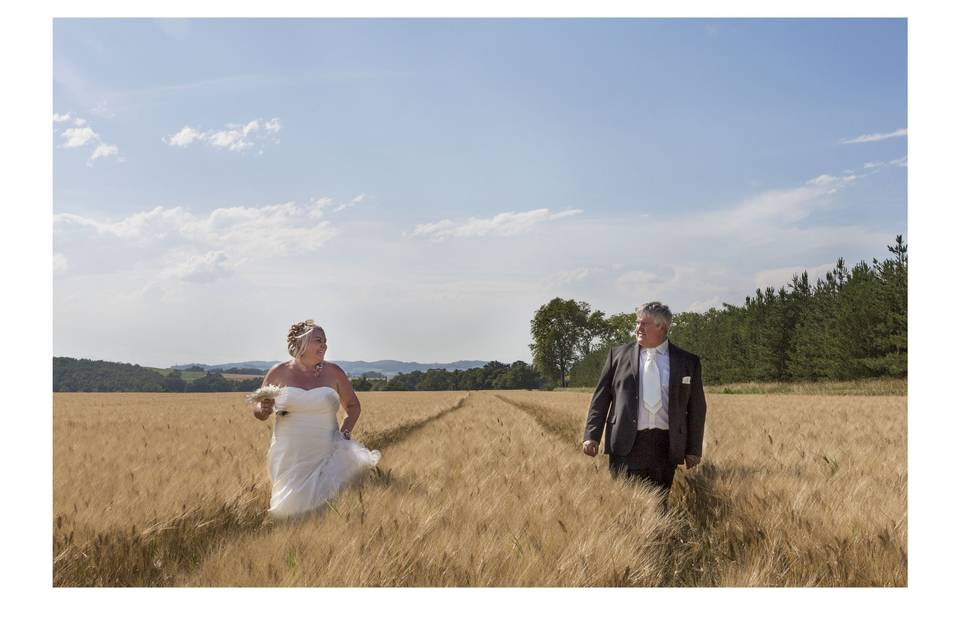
[298, 336]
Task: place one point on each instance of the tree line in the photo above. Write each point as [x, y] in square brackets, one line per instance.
[849, 324]
[493, 375]
[71, 374]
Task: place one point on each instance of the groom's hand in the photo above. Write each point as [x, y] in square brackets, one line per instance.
[692, 461]
[590, 447]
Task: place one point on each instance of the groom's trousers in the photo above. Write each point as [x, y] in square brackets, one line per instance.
[649, 459]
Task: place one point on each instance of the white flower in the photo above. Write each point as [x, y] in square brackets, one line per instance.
[263, 393]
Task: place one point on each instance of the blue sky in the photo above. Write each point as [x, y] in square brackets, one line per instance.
[420, 187]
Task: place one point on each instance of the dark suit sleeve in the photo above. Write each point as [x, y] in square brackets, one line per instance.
[696, 412]
[600, 403]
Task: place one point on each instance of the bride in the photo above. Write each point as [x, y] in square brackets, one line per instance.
[310, 457]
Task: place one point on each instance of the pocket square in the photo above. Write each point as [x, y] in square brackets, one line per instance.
[686, 380]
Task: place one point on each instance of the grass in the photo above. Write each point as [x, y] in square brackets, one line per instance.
[481, 489]
[864, 387]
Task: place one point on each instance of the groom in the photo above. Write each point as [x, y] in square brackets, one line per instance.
[650, 403]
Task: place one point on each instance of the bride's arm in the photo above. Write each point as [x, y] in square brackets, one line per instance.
[348, 400]
[263, 409]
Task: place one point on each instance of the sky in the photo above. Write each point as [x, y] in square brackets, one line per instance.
[421, 187]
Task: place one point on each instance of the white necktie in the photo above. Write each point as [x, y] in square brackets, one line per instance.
[651, 381]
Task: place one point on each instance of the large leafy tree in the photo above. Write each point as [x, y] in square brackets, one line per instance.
[560, 331]
[606, 332]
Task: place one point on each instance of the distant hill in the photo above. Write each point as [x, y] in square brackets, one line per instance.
[71, 374]
[354, 368]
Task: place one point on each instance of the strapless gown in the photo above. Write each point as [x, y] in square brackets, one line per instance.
[309, 459]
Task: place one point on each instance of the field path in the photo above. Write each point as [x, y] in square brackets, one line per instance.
[484, 497]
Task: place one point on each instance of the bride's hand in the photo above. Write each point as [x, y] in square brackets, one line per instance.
[265, 408]
[346, 433]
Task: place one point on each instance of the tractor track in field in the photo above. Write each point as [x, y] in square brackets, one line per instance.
[557, 423]
[400, 432]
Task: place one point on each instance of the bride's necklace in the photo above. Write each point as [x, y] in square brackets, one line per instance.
[317, 368]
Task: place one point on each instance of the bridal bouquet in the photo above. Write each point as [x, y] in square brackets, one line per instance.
[269, 391]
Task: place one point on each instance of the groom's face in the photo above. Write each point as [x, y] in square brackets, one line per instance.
[649, 333]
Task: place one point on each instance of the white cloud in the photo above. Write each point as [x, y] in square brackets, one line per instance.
[77, 137]
[68, 117]
[898, 162]
[704, 283]
[570, 276]
[346, 205]
[769, 208]
[181, 266]
[59, 263]
[138, 226]
[155, 254]
[632, 280]
[833, 183]
[502, 224]
[874, 137]
[234, 140]
[184, 137]
[434, 229]
[781, 276]
[763, 215]
[208, 267]
[104, 150]
[701, 306]
[234, 137]
[272, 230]
[80, 136]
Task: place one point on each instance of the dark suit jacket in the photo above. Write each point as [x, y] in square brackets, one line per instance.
[613, 409]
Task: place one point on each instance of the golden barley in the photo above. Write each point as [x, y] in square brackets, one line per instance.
[481, 490]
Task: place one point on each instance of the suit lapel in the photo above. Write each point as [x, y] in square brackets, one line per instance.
[674, 376]
[635, 376]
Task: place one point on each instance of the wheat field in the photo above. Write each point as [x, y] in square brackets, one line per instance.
[481, 489]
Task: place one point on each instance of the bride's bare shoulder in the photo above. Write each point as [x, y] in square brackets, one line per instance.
[278, 374]
[337, 369]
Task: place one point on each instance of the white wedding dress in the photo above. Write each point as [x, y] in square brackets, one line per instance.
[309, 459]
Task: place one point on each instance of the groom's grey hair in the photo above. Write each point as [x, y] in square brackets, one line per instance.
[660, 313]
